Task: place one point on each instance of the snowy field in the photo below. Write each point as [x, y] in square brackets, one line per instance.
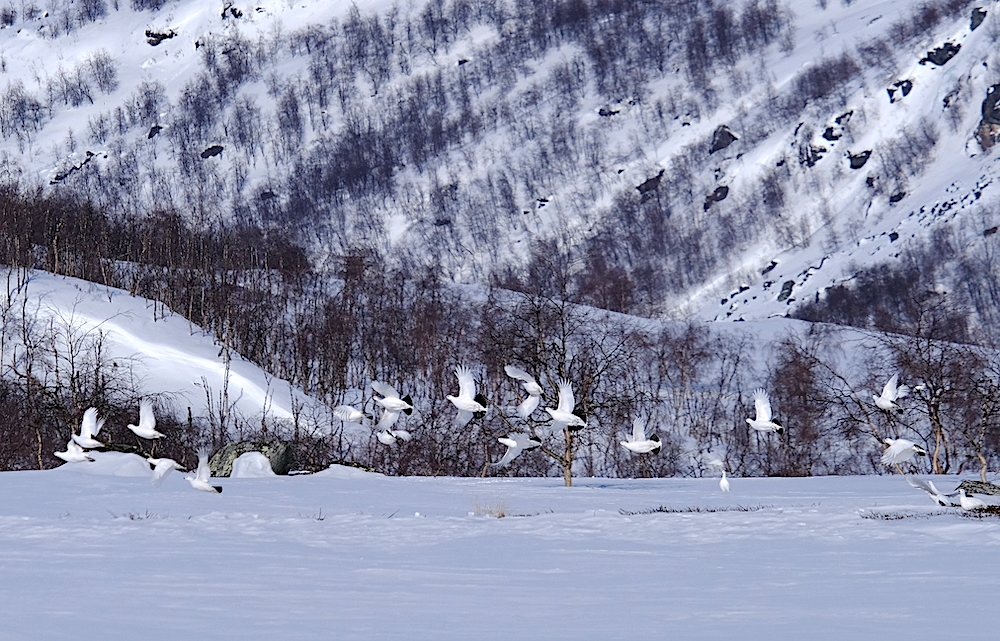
[348, 555]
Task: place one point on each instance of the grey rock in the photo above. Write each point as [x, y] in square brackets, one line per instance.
[858, 160]
[978, 15]
[722, 138]
[978, 487]
[278, 453]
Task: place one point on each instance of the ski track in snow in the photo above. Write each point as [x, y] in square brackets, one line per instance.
[319, 557]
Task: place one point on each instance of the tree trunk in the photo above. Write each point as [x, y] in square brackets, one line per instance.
[567, 459]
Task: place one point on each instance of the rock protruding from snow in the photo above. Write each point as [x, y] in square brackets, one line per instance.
[858, 160]
[337, 471]
[978, 15]
[278, 453]
[978, 487]
[988, 132]
[251, 465]
[722, 138]
[942, 54]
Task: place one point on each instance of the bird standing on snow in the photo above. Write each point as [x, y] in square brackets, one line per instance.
[563, 416]
[531, 388]
[638, 442]
[763, 422]
[516, 443]
[147, 422]
[161, 468]
[74, 453]
[724, 482]
[90, 426]
[469, 403]
[900, 451]
[890, 394]
[928, 486]
[970, 502]
[203, 476]
[349, 414]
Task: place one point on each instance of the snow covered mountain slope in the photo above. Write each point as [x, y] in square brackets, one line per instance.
[158, 351]
[685, 145]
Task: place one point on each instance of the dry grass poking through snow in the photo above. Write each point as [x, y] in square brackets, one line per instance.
[499, 509]
[688, 510]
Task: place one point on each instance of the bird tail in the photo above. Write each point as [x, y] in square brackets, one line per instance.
[408, 401]
[218, 488]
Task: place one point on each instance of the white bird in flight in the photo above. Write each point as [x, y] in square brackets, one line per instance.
[389, 437]
[531, 388]
[147, 422]
[391, 400]
[202, 480]
[901, 450]
[724, 482]
[162, 467]
[74, 453]
[970, 502]
[763, 422]
[563, 416]
[890, 394]
[516, 443]
[638, 442]
[469, 403]
[938, 497]
[90, 426]
[349, 414]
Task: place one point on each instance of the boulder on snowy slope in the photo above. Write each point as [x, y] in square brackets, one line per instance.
[278, 453]
[722, 138]
[251, 465]
[110, 464]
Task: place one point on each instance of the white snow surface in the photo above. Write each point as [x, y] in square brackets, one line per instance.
[371, 557]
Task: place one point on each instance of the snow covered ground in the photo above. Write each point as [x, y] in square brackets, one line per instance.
[349, 555]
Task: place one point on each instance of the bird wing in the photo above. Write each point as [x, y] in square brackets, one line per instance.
[638, 430]
[385, 389]
[530, 404]
[950, 495]
[519, 374]
[895, 450]
[164, 466]
[902, 390]
[463, 418]
[401, 434]
[147, 421]
[508, 456]
[90, 425]
[388, 418]
[344, 412]
[762, 403]
[920, 484]
[566, 401]
[204, 473]
[466, 383]
[889, 391]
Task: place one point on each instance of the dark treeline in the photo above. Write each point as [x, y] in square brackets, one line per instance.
[333, 335]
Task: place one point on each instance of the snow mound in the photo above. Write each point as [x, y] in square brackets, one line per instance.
[251, 465]
[110, 464]
[345, 472]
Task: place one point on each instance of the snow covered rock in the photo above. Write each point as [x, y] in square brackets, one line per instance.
[251, 465]
[978, 487]
[278, 453]
[110, 464]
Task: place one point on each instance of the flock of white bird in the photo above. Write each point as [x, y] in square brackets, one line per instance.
[471, 405]
[90, 427]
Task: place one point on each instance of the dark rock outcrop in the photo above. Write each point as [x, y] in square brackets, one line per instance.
[651, 185]
[942, 54]
[809, 155]
[718, 195]
[978, 15]
[156, 37]
[722, 138]
[155, 129]
[978, 487]
[214, 150]
[858, 160]
[786, 290]
[988, 132]
[278, 453]
[896, 197]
